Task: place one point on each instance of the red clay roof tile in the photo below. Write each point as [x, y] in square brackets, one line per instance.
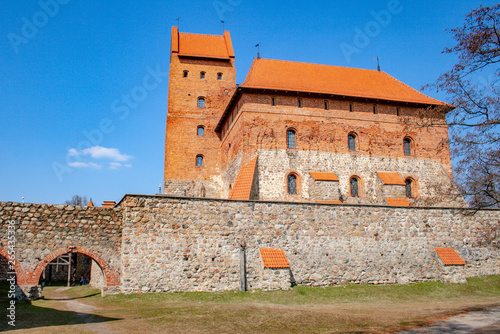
[327, 79]
[203, 46]
[321, 176]
[391, 178]
[243, 185]
[274, 258]
[398, 201]
[449, 256]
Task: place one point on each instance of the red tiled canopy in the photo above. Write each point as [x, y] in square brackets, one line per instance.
[449, 256]
[274, 258]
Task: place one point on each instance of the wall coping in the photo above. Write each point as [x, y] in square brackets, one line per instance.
[174, 197]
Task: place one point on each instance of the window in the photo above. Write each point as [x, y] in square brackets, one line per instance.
[219, 76]
[201, 131]
[199, 160]
[185, 74]
[292, 184]
[354, 187]
[351, 107]
[407, 146]
[374, 108]
[299, 103]
[201, 102]
[398, 111]
[202, 75]
[408, 187]
[351, 139]
[273, 101]
[326, 105]
[290, 138]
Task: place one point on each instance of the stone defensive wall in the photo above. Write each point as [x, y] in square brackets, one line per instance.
[32, 235]
[195, 244]
[165, 243]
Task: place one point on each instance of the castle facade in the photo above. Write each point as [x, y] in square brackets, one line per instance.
[300, 132]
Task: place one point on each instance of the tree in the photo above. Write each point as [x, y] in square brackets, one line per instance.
[77, 200]
[473, 86]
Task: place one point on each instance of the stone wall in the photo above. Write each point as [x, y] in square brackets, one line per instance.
[181, 244]
[435, 186]
[45, 231]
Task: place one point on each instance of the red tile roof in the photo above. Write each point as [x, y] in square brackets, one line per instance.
[90, 203]
[398, 201]
[203, 46]
[108, 204]
[391, 178]
[321, 176]
[327, 79]
[274, 258]
[330, 202]
[243, 185]
[449, 256]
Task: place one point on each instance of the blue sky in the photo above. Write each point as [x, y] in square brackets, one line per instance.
[66, 126]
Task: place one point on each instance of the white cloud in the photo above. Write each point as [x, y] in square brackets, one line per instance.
[99, 152]
[80, 164]
[73, 152]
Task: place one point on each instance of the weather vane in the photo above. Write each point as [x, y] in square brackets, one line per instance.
[258, 50]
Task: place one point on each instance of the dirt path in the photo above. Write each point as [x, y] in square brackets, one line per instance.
[476, 322]
[84, 311]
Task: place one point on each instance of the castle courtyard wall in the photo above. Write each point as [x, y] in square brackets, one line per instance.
[186, 244]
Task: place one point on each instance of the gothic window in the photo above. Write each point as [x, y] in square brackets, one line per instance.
[201, 131]
[351, 139]
[219, 76]
[354, 187]
[407, 146]
[202, 75]
[351, 107]
[201, 102]
[185, 74]
[398, 111]
[408, 187]
[273, 101]
[326, 104]
[299, 103]
[290, 138]
[199, 160]
[374, 108]
[292, 184]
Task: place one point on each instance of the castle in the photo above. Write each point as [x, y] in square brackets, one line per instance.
[299, 132]
[304, 174]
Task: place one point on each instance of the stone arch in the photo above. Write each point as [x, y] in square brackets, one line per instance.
[111, 276]
[17, 266]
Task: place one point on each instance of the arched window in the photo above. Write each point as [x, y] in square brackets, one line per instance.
[326, 104]
[407, 146]
[199, 160]
[292, 184]
[185, 74]
[201, 102]
[219, 76]
[354, 183]
[202, 75]
[273, 101]
[201, 131]
[290, 138]
[409, 187]
[299, 103]
[351, 140]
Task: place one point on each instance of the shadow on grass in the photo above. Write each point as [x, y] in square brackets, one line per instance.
[29, 316]
[73, 298]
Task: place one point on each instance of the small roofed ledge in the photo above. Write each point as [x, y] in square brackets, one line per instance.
[108, 204]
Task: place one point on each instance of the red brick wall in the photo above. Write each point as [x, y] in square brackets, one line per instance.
[183, 118]
[259, 125]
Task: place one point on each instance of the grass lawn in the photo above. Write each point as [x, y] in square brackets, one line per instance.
[342, 309]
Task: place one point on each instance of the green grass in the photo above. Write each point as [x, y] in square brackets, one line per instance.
[343, 309]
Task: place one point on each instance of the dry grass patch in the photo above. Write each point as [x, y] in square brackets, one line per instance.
[344, 309]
